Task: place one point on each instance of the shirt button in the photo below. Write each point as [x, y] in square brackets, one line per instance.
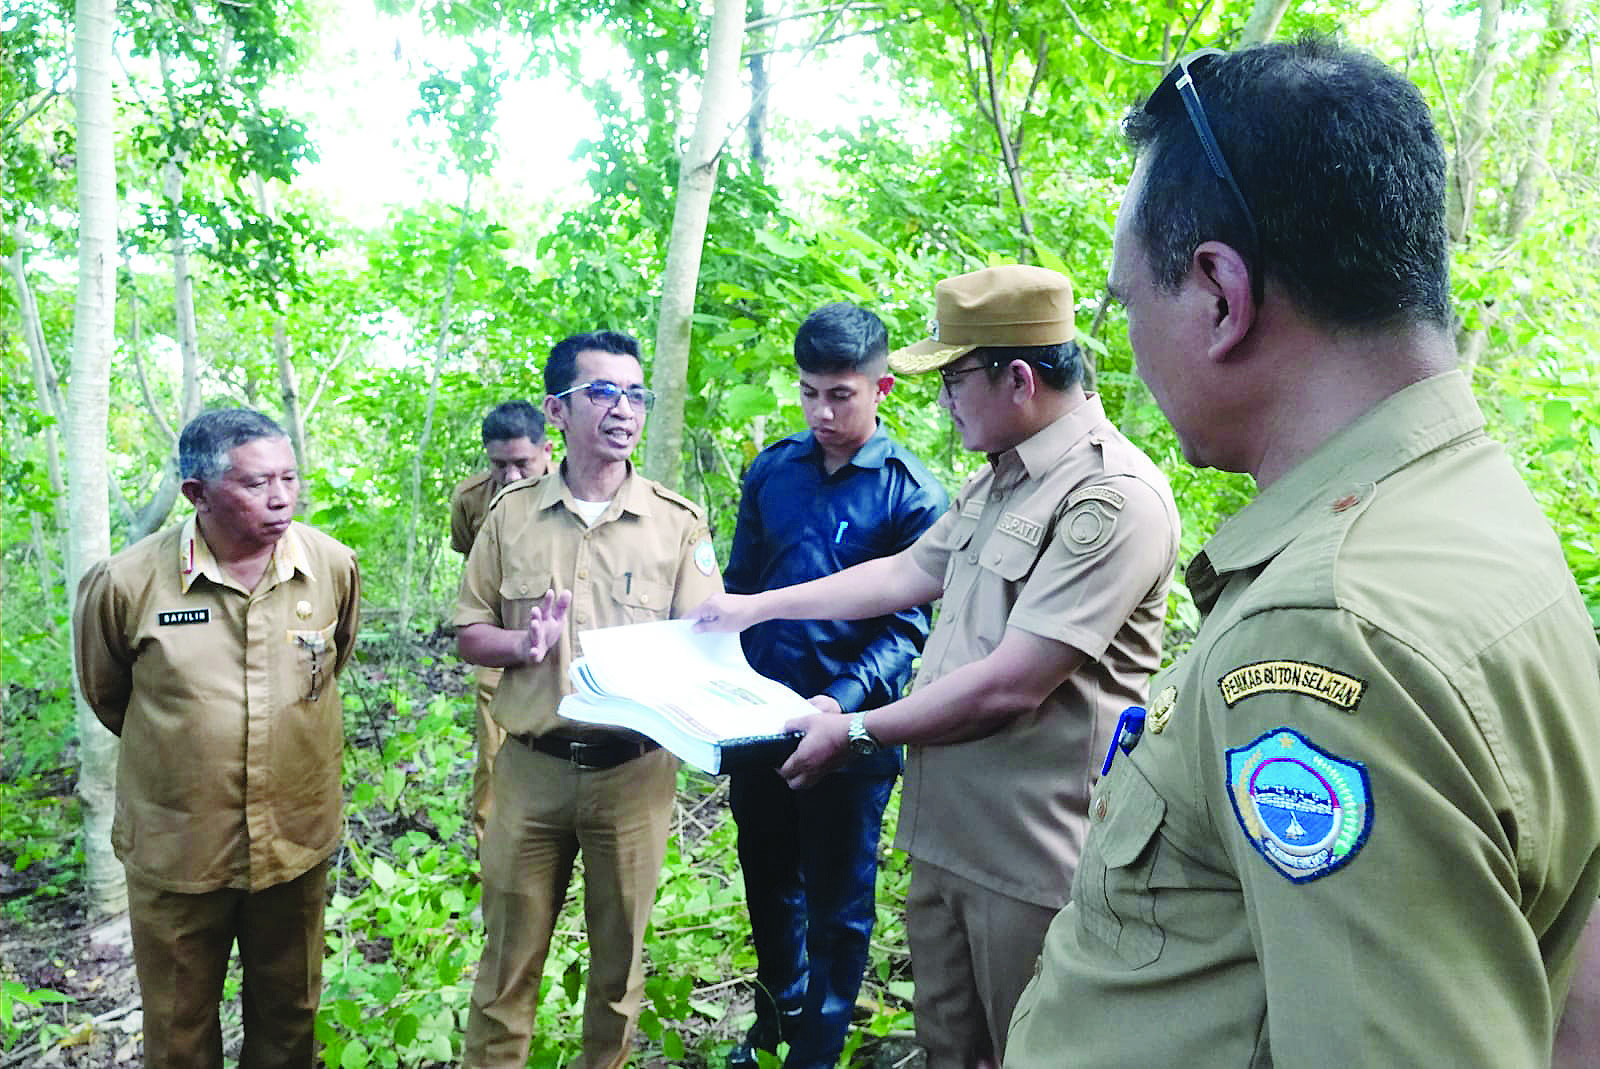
[1100, 808]
[644, 599]
[583, 573]
[1038, 966]
[972, 558]
[995, 559]
[523, 588]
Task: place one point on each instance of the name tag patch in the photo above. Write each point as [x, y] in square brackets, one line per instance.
[1292, 677]
[1308, 812]
[183, 616]
[1018, 527]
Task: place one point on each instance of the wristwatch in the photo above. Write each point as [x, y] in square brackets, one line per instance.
[862, 744]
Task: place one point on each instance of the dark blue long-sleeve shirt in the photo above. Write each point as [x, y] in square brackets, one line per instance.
[797, 522]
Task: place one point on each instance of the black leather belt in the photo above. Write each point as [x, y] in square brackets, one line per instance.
[588, 756]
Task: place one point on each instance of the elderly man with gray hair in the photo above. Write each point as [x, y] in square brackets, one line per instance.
[211, 649]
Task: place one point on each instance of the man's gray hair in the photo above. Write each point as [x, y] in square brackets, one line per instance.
[206, 445]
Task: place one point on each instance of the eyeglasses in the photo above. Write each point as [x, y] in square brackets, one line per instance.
[951, 379]
[608, 394]
[1180, 81]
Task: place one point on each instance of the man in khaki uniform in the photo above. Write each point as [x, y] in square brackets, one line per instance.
[1361, 826]
[212, 648]
[592, 544]
[517, 448]
[1054, 565]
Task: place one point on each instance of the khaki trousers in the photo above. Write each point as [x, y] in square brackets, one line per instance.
[973, 950]
[181, 944]
[546, 812]
[490, 737]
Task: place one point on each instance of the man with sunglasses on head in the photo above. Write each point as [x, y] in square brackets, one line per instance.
[1361, 826]
[592, 544]
[1053, 565]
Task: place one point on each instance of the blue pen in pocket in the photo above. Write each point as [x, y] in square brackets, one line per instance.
[838, 535]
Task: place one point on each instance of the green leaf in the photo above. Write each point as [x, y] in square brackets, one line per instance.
[356, 1056]
[672, 1044]
[780, 246]
[746, 401]
[383, 874]
[405, 1030]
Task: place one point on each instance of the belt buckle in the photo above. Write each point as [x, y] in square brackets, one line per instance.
[575, 756]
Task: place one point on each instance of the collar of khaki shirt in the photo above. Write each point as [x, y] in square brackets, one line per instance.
[196, 559]
[1043, 450]
[632, 496]
[1412, 423]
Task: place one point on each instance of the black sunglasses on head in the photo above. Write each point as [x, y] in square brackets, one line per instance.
[1179, 82]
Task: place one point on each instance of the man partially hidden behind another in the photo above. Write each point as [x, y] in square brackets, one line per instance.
[1054, 564]
[813, 504]
[1362, 824]
[212, 648]
[517, 448]
[592, 544]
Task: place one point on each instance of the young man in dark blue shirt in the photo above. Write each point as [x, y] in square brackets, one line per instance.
[815, 503]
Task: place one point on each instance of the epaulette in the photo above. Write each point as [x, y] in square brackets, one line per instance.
[520, 484]
[676, 498]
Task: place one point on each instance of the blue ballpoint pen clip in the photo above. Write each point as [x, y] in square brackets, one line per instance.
[1130, 725]
[838, 535]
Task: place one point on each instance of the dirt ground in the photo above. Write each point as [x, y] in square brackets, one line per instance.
[48, 944]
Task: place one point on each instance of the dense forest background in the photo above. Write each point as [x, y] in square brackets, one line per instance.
[736, 163]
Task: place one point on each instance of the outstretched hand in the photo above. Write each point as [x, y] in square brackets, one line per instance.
[545, 624]
[726, 612]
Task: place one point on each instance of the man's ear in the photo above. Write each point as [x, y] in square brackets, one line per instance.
[549, 448]
[1024, 380]
[555, 414]
[1224, 278]
[885, 384]
[195, 491]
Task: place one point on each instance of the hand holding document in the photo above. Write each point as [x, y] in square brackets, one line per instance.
[693, 693]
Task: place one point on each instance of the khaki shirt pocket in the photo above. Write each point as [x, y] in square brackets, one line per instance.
[518, 593]
[315, 654]
[1009, 557]
[1114, 898]
[643, 600]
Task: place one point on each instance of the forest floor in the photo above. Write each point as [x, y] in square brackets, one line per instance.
[50, 949]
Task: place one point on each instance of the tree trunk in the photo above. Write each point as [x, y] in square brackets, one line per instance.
[1474, 130]
[1263, 21]
[45, 387]
[88, 398]
[1548, 79]
[697, 178]
[756, 123]
[441, 355]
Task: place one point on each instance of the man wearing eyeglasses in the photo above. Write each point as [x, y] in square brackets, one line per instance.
[1361, 826]
[592, 544]
[1053, 565]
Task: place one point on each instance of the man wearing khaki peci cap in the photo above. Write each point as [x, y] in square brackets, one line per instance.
[1053, 564]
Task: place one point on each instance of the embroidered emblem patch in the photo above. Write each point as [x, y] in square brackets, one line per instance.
[183, 616]
[1161, 710]
[1305, 810]
[1088, 526]
[705, 558]
[1097, 493]
[1292, 677]
[302, 609]
[1015, 525]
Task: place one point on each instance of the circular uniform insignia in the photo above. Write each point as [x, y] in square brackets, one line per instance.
[302, 609]
[705, 558]
[1089, 526]
[1305, 810]
[1161, 709]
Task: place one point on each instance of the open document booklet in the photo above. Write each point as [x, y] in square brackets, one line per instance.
[693, 693]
